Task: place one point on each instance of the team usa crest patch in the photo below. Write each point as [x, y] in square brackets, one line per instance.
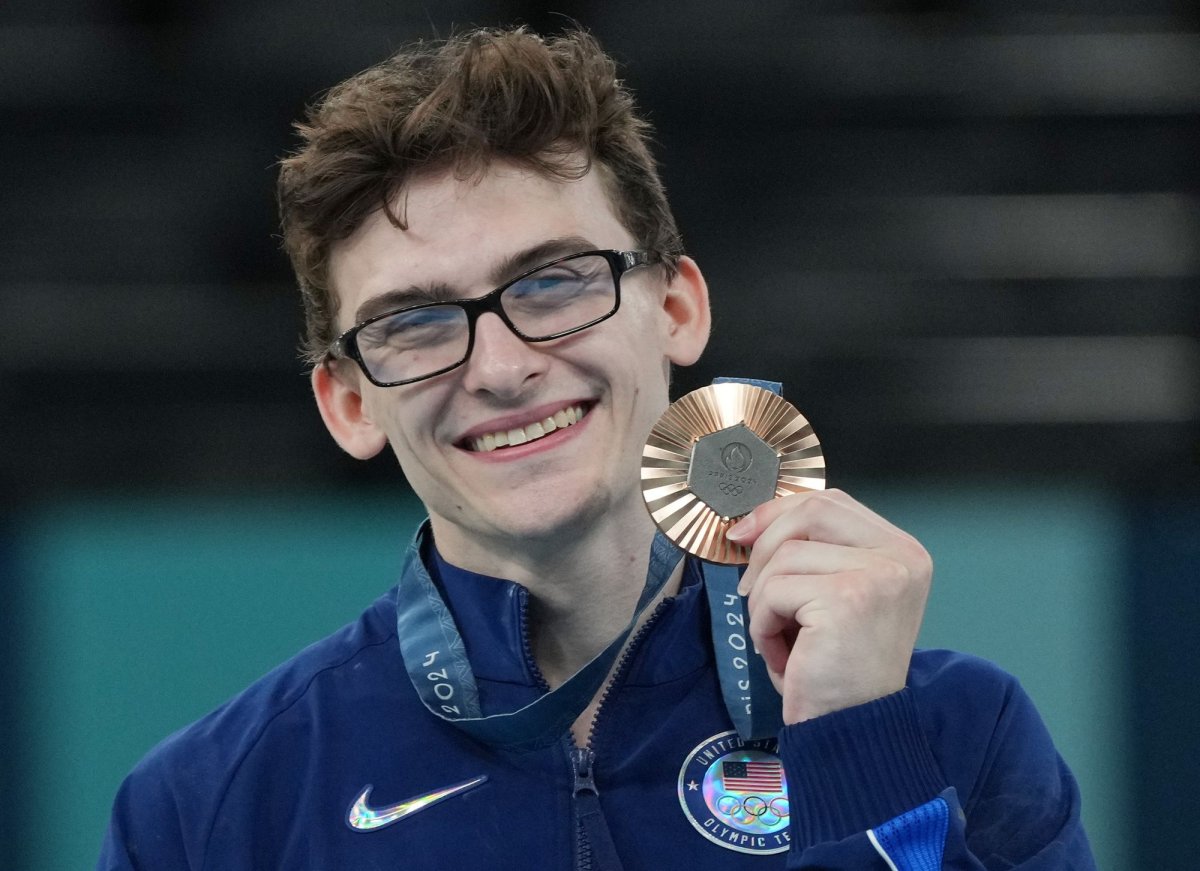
[735, 793]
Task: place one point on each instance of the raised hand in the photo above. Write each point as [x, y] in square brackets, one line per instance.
[836, 597]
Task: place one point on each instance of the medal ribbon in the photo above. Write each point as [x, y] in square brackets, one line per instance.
[754, 706]
[436, 659]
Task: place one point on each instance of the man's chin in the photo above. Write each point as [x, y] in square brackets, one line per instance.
[556, 520]
[526, 519]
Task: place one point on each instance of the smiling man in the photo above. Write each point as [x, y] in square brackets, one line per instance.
[496, 292]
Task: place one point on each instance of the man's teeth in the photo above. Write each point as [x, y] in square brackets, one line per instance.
[505, 438]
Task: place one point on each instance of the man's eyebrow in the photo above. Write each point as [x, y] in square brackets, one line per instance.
[522, 261]
[391, 300]
[508, 268]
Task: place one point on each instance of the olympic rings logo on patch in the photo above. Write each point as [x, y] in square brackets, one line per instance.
[734, 793]
[768, 811]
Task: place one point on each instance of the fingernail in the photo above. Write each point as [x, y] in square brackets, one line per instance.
[741, 529]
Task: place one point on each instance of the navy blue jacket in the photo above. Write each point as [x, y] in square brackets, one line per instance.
[956, 769]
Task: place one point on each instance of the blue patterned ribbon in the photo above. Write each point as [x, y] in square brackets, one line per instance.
[754, 706]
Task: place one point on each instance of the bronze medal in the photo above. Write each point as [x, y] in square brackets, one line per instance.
[719, 452]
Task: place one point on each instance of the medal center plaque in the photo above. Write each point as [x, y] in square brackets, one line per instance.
[733, 470]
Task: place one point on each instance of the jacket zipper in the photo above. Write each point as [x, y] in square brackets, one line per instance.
[585, 801]
[623, 663]
[585, 796]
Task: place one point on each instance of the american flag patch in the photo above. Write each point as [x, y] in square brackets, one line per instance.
[752, 776]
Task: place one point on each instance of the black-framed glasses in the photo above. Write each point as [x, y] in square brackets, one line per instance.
[548, 302]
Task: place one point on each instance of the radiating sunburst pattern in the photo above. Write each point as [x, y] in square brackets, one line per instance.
[679, 513]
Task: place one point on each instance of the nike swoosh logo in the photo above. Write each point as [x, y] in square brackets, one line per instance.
[365, 818]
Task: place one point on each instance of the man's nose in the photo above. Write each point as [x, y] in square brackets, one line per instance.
[501, 362]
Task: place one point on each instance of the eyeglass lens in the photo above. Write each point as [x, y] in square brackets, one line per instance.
[558, 298]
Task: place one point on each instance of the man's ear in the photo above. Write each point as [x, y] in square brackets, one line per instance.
[341, 405]
[688, 316]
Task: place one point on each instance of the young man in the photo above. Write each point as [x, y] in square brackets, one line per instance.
[496, 292]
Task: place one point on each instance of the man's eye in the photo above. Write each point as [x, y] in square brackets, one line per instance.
[422, 326]
[545, 281]
[428, 317]
[547, 288]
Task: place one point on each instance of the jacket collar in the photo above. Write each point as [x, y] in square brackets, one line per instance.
[492, 618]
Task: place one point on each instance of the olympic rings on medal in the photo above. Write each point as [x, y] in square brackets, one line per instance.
[730, 489]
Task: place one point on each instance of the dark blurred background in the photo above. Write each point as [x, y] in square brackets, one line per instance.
[965, 235]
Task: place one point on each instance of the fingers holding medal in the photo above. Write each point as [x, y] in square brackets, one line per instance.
[733, 474]
[835, 596]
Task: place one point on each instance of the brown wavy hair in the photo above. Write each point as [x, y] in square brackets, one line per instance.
[553, 105]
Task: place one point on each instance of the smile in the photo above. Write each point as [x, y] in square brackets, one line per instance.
[561, 419]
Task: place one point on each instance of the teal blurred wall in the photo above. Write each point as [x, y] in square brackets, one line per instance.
[144, 613]
[1034, 578]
